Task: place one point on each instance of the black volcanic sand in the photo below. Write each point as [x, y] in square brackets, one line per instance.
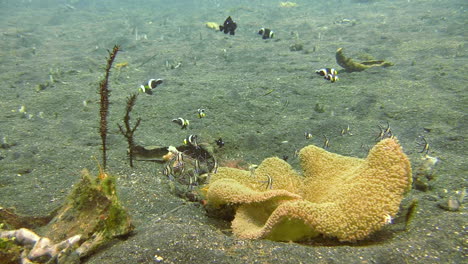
[259, 97]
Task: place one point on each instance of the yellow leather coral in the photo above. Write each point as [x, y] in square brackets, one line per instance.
[343, 197]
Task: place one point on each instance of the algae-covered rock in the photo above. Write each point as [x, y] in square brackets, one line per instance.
[92, 210]
[351, 66]
[91, 216]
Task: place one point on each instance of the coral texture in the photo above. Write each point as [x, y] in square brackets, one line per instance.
[343, 197]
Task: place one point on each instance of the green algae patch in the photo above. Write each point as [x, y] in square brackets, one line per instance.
[9, 251]
[93, 207]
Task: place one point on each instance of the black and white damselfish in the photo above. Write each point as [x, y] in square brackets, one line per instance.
[229, 26]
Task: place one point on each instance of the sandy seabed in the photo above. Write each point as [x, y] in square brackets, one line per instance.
[260, 97]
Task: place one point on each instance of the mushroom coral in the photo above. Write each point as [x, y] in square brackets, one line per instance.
[337, 196]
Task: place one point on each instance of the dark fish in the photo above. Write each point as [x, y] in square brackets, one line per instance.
[266, 33]
[219, 142]
[229, 26]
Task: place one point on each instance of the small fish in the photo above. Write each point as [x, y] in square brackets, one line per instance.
[424, 144]
[328, 74]
[148, 87]
[180, 158]
[326, 71]
[180, 169]
[177, 163]
[388, 130]
[183, 123]
[168, 171]
[268, 182]
[384, 132]
[326, 142]
[252, 168]
[331, 77]
[266, 33]
[201, 113]
[220, 142]
[197, 166]
[388, 219]
[381, 134]
[308, 135]
[215, 166]
[193, 181]
[345, 131]
[191, 140]
[229, 26]
[296, 153]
